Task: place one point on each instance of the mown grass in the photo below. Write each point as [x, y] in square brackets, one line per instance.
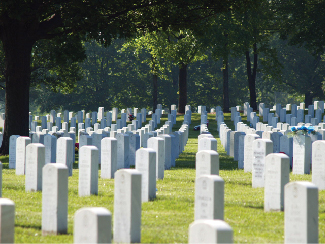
[166, 219]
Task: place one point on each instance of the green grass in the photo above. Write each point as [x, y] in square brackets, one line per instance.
[166, 219]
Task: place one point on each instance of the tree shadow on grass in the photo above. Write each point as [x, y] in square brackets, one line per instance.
[30, 226]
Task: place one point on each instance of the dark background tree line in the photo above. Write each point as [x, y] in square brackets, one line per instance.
[80, 55]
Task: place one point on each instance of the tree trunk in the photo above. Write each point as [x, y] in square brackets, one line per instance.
[182, 88]
[225, 85]
[17, 47]
[155, 92]
[308, 99]
[251, 76]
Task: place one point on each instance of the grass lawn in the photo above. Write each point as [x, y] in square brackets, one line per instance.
[166, 219]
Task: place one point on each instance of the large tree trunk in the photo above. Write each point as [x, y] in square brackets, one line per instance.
[182, 88]
[251, 76]
[155, 92]
[17, 47]
[225, 85]
[308, 99]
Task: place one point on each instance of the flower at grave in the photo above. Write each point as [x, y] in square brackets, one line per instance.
[76, 147]
[131, 117]
[197, 127]
[302, 130]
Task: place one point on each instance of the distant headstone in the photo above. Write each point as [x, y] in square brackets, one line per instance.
[146, 164]
[108, 157]
[261, 148]
[248, 152]
[318, 159]
[157, 144]
[209, 197]
[21, 144]
[277, 169]
[50, 142]
[88, 171]
[92, 225]
[64, 150]
[301, 154]
[207, 143]
[123, 151]
[55, 199]
[210, 231]
[127, 206]
[35, 160]
[7, 216]
[300, 213]
[207, 163]
[12, 151]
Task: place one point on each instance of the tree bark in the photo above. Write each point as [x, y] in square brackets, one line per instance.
[225, 85]
[182, 88]
[308, 99]
[155, 92]
[17, 46]
[251, 76]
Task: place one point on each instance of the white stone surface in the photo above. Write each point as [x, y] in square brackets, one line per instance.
[209, 197]
[55, 199]
[64, 151]
[301, 154]
[21, 144]
[210, 231]
[146, 164]
[88, 171]
[108, 157]
[277, 170]
[127, 206]
[92, 225]
[35, 160]
[318, 165]
[157, 144]
[7, 222]
[300, 213]
[207, 163]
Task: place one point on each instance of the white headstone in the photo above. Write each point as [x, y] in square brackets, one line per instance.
[64, 151]
[35, 160]
[210, 231]
[277, 169]
[12, 151]
[146, 164]
[108, 157]
[248, 152]
[209, 197]
[21, 144]
[318, 165]
[300, 213]
[157, 144]
[88, 171]
[261, 148]
[207, 163]
[55, 199]
[7, 220]
[301, 154]
[127, 206]
[92, 225]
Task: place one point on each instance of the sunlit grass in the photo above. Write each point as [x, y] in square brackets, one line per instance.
[166, 219]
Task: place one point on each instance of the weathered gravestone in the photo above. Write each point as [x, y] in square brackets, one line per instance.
[207, 143]
[286, 146]
[127, 206]
[12, 151]
[88, 171]
[108, 157]
[123, 147]
[55, 199]
[21, 144]
[7, 220]
[168, 150]
[157, 144]
[50, 142]
[277, 169]
[210, 231]
[35, 161]
[209, 197]
[301, 154]
[92, 225]
[146, 164]
[248, 151]
[318, 165]
[300, 213]
[64, 151]
[207, 163]
[261, 148]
